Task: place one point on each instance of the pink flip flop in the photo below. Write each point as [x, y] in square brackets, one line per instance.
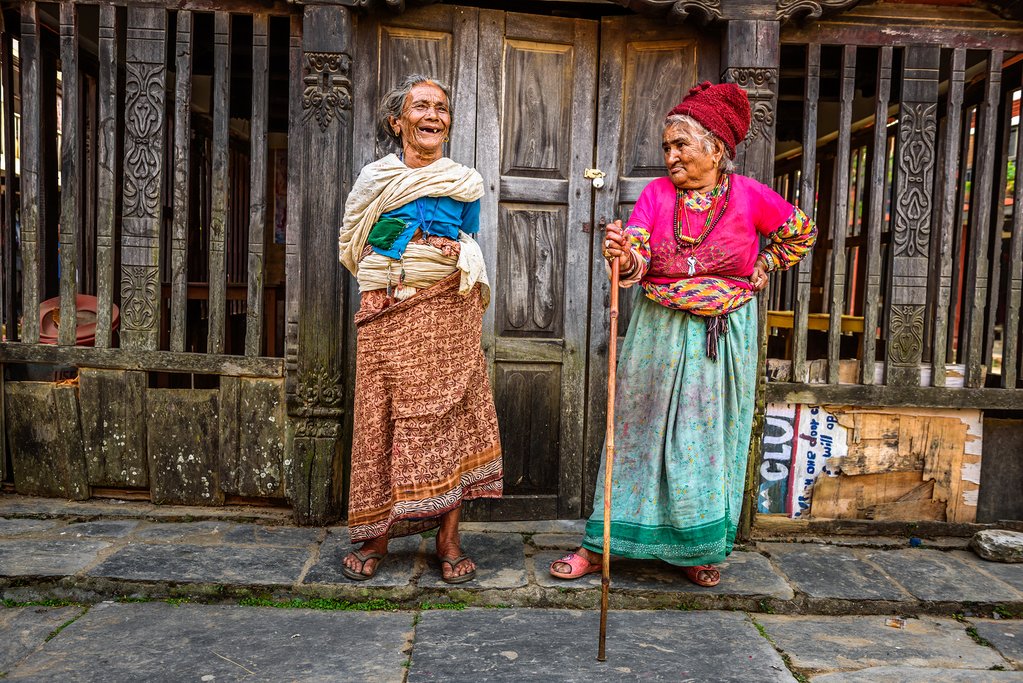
[579, 564]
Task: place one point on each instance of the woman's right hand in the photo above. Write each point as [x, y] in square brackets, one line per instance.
[616, 246]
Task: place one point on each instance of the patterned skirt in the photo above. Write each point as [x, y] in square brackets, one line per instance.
[682, 431]
[425, 433]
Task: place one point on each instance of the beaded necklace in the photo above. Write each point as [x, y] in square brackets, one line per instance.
[688, 242]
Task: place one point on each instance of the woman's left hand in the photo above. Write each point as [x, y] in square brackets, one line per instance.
[759, 277]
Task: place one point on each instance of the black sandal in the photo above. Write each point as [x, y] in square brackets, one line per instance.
[363, 558]
[454, 562]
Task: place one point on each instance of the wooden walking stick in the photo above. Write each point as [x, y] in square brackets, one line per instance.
[612, 352]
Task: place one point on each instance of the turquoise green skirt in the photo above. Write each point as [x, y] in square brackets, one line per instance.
[682, 432]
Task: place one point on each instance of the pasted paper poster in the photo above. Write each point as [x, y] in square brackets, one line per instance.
[799, 441]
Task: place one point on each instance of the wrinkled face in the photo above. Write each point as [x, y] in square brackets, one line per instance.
[689, 166]
[425, 119]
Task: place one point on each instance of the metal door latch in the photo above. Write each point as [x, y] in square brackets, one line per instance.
[596, 176]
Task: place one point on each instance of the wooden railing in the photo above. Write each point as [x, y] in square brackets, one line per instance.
[912, 206]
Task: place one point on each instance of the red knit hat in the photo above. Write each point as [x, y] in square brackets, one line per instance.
[722, 109]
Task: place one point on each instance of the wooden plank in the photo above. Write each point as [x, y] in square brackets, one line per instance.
[954, 348]
[807, 196]
[916, 157]
[1001, 476]
[106, 174]
[69, 431]
[840, 210]
[976, 284]
[182, 151]
[9, 276]
[924, 397]
[851, 497]
[220, 184]
[31, 169]
[142, 201]
[183, 448]
[522, 350]
[1014, 288]
[293, 236]
[875, 215]
[45, 453]
[252, 422]
[515, 189]
[151, 361]
[257, 186]
[948, 216]
[994, 300]
[113, 410]
[71, 174]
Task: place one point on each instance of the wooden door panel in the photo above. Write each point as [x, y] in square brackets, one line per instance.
[645, 69]
[530, 266]
[440, 42]
[534, 140]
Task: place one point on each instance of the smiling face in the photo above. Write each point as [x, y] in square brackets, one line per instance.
[424, 124]
[688, 164]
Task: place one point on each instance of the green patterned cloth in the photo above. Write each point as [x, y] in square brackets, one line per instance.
[682, 431]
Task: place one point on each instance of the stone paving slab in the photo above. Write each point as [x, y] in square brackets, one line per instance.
[24, 629]
[157, 642]
[47, 558]
[99, 529]
[824, 571]
[514, 645]
[536, 526]
[16, 527]
[908, 674]
[942, 576]
[821, 644]
[396, 571]
[556, 541]
[1006, 636]
[1011, 574]
[500, 562]
[280, 536]
[185, 563]
[744, 573]
[193, 532]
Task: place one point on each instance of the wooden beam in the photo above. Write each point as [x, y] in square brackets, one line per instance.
[31, 170]
[106, 174]
[71, 174]
[948, 222]
[182, 152]
[976, 284]
[915, 396]
[915, 159]
[142, 202]
[257, 186]
[840, 209]
[149, 361]
[220, 185]
[875, 216]
[9, 275]
[1011, 333]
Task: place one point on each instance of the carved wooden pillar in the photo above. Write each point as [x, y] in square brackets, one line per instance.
[911, 233]
[750, 60]
[323, 129]
[752, 53]
[144, 121]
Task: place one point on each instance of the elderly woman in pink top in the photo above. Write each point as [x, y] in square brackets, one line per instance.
[687, 375]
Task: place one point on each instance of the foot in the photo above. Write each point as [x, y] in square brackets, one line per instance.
[703, 575]
[366, 559]
[456, 568]
[564, 568]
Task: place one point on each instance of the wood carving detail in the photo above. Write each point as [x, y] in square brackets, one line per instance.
[319, 390]
[912, 228]
[139, 288]
[907, 331]
[143, 141]
[328, 87]
[813, 9]
[759, 84]
[679, 10]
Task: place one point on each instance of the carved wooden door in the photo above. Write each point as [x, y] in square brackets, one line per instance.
[534, 140]
[531, 114]
[645, 69]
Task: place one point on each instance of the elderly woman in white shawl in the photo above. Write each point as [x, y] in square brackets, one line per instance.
[426, 435]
